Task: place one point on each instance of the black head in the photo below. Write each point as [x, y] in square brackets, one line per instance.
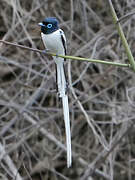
[49, 25]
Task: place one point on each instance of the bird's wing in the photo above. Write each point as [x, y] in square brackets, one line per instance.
[64, 42]
[63, 39]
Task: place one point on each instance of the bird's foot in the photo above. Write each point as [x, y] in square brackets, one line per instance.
[45, 51]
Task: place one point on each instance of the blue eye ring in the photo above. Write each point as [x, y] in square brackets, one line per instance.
[49, 25]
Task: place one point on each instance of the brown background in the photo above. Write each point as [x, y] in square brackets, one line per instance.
[31, 120]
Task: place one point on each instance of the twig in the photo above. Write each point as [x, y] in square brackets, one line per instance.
[67, 57]
[122, 36]
[126, 16]
[102, 158]
[10, 163]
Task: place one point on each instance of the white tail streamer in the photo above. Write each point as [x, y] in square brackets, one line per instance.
[67, 128]
[61, 82]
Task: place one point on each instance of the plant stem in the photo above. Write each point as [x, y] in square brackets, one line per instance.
[122, 36]
[67, 57]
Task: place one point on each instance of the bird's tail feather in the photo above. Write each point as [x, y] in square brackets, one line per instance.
[67, 128]
[61, 83]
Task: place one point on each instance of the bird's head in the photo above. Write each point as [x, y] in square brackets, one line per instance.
[49, 25]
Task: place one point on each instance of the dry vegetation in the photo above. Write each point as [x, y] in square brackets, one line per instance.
[32, 136]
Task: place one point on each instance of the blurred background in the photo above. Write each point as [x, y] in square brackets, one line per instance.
[101, 97]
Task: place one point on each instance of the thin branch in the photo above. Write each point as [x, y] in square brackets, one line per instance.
[67, 57]
[126, 16]
[9, 163]
[102, 157]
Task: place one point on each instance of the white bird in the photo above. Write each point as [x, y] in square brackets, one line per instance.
[55, 41]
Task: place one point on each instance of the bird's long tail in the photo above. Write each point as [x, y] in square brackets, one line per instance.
[62, 88]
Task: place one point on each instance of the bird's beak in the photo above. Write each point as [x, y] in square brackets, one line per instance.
[41, 24]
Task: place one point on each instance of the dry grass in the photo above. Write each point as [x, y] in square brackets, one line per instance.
[32, 137]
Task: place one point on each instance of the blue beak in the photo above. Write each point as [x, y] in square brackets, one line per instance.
[41, 24]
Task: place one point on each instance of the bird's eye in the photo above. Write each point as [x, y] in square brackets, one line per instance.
[49, 25]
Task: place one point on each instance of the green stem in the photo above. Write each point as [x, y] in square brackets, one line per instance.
[122, 36]
[92, 60]
[67, 57]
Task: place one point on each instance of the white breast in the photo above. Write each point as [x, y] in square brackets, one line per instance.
[53, 42]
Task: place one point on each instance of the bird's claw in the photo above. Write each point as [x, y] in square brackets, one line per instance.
[45, 51]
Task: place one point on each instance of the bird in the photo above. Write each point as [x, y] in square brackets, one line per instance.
[54, 40]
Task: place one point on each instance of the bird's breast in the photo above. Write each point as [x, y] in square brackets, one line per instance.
[53, 42]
